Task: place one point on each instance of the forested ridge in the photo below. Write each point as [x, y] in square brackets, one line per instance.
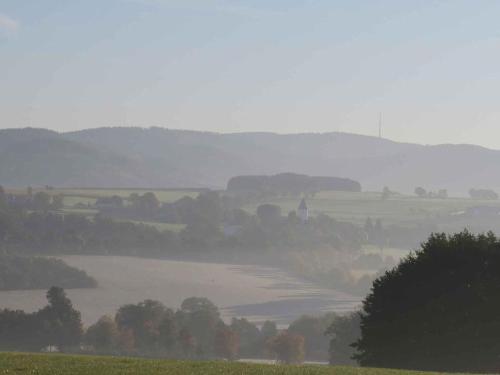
[153, 157]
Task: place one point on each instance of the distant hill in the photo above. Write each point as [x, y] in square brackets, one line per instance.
[42, 157]
[157, 157]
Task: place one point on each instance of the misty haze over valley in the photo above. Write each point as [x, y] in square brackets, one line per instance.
[213, 187]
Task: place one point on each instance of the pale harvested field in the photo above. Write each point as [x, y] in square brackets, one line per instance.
[255, 292]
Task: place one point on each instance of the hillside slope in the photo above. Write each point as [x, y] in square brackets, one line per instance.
[42, 157]
[211, 159]
[157, 157]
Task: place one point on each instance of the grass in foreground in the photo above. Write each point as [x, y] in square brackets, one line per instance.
[55, 364]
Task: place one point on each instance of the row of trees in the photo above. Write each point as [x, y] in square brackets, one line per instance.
[194, 331]
[483, 194]
[39, 201]
[422, 193]
[210, 225]
[54, 233]
[204, 217]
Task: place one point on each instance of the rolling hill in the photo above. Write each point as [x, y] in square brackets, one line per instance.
[158, 157]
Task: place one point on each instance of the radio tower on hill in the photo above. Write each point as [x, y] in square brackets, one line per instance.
[380, 125]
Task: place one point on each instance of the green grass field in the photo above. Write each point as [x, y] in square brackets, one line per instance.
[73, 196]
[160, 226]
[91, 194]
[344, 206]
[356, 207]
[55, 364]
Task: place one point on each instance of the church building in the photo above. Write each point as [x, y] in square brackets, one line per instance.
[302, 211]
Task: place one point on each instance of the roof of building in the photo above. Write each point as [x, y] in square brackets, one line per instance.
[303, 205]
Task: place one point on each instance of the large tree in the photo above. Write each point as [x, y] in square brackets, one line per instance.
[143, 320]
[200, 317]
[103, 336]
[438, 309]
[226, 343]
[287, 347]
[62, 324]
[313, 329]
[249, 337]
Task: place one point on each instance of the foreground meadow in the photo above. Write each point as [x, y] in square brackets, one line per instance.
[54, 364]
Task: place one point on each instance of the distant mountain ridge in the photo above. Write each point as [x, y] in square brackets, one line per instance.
[158, 157]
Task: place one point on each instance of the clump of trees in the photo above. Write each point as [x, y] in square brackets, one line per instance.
[39, 201]
[287, 347]
[313, 329]
[484, 194]
[195, 331]
[20, 272]
[57, 325]
[438, 309]
[422, 193]
[386, 193]
[53, 233]
[290, 183]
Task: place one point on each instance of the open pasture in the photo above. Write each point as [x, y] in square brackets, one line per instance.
[88, 196]
[160, 226]
[163, 195]
[356, 207]
[403, 210]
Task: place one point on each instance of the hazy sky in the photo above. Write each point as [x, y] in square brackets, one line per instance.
[431, 67]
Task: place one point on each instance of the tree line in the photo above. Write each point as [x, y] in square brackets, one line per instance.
[211, 222]
[205, 218]
[150, 329]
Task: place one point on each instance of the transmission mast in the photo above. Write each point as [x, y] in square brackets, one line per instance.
[380, 125]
